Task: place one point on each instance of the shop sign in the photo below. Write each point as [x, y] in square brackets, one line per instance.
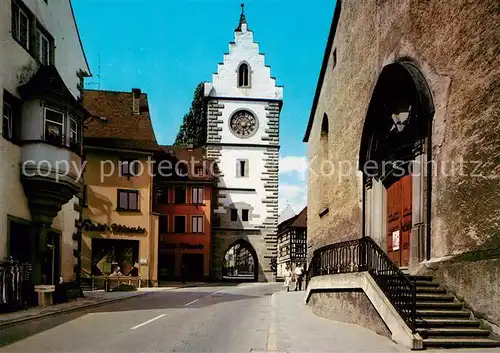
[88, 225]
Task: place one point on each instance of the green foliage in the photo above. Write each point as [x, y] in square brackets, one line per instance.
[193, 129]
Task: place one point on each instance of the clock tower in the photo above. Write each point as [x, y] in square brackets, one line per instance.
[244, 105]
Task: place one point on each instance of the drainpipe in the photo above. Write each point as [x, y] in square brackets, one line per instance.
[429, 189]
[363, 207]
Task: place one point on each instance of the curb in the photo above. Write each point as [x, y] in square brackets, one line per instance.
[13, 322]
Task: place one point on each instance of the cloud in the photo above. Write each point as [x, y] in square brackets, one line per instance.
[293, 195]
[294, 164]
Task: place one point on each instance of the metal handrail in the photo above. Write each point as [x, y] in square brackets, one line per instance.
[362, 255]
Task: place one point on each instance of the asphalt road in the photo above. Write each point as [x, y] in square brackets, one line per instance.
[215, 319]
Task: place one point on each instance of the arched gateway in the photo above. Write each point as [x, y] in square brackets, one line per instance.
[241, 262]
[243, 109]
[394, 154]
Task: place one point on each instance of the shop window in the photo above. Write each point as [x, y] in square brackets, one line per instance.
[180, 224]
[128, 200]
[197, 224]
[197, 195]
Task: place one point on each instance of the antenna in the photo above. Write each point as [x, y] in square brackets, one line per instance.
[99, 77]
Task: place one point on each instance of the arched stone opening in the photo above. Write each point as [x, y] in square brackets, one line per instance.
[394, 154]
[240, 262]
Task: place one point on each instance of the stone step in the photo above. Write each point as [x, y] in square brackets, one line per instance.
[421, 278]
[426, 284]
[430, 290]
[460, 342]
[434, 297]
[438, 305]
[447, 323]
[439, 313]
[454, 331]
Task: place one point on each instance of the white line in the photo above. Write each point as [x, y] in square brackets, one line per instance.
[194, 301]
[214, 293]
[147, 322]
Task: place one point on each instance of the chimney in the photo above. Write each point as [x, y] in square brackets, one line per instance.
[136, 95]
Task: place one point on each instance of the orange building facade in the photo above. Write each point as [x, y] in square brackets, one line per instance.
[183, 204]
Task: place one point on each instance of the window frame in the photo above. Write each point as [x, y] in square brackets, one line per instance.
[159, 198]
[242, 168]
[241, 77]
[198, 218]
[175, 195]
[196, 190]
[234, 212]
[175, 224]
[45, 109]
[128, 192]
[10, 119]
[243, 212]
[128, 162]
[166, 230]
[17, 11]
[40, 36]
[71, 131]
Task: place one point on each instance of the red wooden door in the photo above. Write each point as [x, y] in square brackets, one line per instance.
[399, 208]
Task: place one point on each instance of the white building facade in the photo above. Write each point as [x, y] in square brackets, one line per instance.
[244, 105]
[42, 68]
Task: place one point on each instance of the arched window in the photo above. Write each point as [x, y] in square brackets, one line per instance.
[244, 76]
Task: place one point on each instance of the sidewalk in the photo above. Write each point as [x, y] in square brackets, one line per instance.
[295, 328]
[90, 299]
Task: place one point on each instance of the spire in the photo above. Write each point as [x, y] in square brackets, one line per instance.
[243, 19]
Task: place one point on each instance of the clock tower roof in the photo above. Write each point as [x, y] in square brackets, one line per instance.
[243, 26]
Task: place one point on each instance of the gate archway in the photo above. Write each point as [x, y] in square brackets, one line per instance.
[396, 146]
[240, 262]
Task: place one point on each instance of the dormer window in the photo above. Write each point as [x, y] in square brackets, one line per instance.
[54, 126]
[244, 75]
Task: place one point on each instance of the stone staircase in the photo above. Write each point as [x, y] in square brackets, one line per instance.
[442, 320]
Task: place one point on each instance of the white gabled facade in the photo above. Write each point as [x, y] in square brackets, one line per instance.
[53, 42]
[253, 186]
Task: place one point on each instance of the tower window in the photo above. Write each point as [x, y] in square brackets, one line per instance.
[243, 76]
[242, 168]
[244, 215]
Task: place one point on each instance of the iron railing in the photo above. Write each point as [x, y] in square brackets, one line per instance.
[365, 255]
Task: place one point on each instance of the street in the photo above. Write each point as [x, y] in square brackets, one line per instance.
[204, 319]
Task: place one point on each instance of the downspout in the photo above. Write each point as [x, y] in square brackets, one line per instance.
[363, 207]
[429, 189]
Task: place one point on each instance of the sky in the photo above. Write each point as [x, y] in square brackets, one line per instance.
[167, 47]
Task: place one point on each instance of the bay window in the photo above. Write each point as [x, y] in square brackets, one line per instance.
[7, 120]
[73, 131]
[43, 45]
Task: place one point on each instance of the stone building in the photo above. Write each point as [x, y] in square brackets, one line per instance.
[404, 141]
[244, 105]
[42, 69]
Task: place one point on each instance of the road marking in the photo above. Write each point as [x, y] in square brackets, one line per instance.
[214, 293]
[147, 322]
[194, 301]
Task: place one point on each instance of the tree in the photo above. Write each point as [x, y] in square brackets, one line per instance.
[193, 129]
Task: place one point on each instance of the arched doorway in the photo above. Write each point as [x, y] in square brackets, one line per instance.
[240, 263]
[395, 149]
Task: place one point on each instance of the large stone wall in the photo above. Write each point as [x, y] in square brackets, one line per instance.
[455, 46]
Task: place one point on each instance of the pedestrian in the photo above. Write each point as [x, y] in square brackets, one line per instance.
[299, 274]
[288, 278]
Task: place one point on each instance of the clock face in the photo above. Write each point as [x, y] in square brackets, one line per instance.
[243, 124]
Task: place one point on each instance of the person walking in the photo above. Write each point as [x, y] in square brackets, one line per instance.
[299, 274]
[288, 278]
